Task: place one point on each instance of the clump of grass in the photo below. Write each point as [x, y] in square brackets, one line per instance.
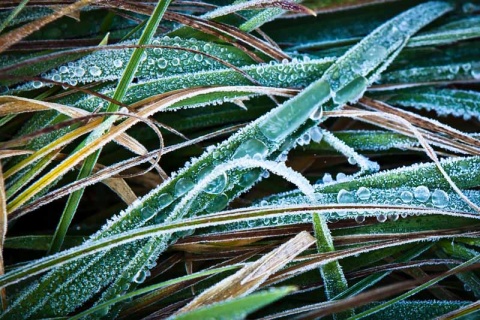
[263, 167]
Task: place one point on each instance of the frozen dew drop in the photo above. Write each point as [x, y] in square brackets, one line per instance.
[376, 52]
[163, 200]
[352, 160]
[345, 196]
[393, 217]
[198, 57]
[95, 71]
[360, 219]
[140, 276]
[404, 214]
[162, 63]
[117, 63]
[265, 174]
[406, 196]
[341, 177]
[363, 193]
[381, 217]
[282, 157]
[317, 114]
[218, 203]
[316, 134]
[476, 72]
[421, 193]
[440, 198]
[251, 147]
[467, 287]
[248, 178]
[182, 186]
[63, 69]
[79, 72]
[351, 92]
[327, 178]
[37, 84]
[175, 62]
[217, 185]
[57, 78]
[306, 138]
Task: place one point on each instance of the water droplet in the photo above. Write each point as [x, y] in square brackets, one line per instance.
[63, 69]
[476, 72]
[95, 71]
[440, 198]
[163, 200]
[57, 78]
[467, 287]
[140, 276]
[327, 178]
[360, 219]
[393, 217]
[341, 177]
[198, 57]
[421, 193]
[363, 193]
[37, 84]
[251, 148]
[260, 70]
[306, 138]
[79, 72]
[265, 174]
[218, 203]
[317, 114]
[406, 196]
[351, 92]
[162, 63]
[381, 217]
[316, 134]
[345, 196]
[376, 52]
[118, 63]
[217, 185]
[248, 178]
[288, 117]
[404, 214]
[175, 62]
[182, 186]
[352, 160]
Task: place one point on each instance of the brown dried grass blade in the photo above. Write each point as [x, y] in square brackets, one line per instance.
[3, 232]
[253, 275]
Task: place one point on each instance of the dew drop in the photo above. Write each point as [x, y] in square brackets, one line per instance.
[363, 193]
[421, 193]
[57, 78]
[63, 69]
[440, 198]
[404, 214]
[118, 63]
[218, 203]
[182, 186]
[467, 287]
[175, 62]
[360, 219]
[327, 178]
[317, 114]
[79, 72]
[217, 185]
[345, 196]
[316, 134]
[476, 72]
[393, 217]
[37, 84]
[251, 148]
[95, 71]
[406, 196]
[352, 160]
[351, 92]
[341, 177]
[248, 178]
[162, 63]
[163, 200]
[198, 57]
[140, 276]
[265, 174]
[382, 217]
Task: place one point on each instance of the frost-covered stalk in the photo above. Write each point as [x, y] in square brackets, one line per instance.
[62, 290]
